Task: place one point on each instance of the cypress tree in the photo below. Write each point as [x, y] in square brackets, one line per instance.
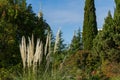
[89, 25]
[117, 15]
[117, 9]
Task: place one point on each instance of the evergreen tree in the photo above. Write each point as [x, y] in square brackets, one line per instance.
[117, 15]
[59, 43]
[89, 25]
[9, 51]
[26, 21]
[79, 39]
[9, 47]
[59, 49]
[76, 43]
[18, 19]
[108, 20]
[107, 42]
[41, 29]
[117, 9]
[104, 40]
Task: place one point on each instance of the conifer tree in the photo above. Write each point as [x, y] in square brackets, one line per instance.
[89, 25]
[59, 44]
[79, 39]
[103, 44]
[59, 48]
[117, 9]
[117, 15]
[18, 19]
[76, 43]
[107, 42]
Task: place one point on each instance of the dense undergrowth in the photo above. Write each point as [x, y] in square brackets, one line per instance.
[73, 68]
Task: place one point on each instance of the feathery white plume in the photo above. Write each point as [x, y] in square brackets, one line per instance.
[23, 51]
[57, 41]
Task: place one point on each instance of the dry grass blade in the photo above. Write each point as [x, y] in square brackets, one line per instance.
[48, 57]
[30, 51]
[41, 53]
[57, 41]
[33, 58]
[46, 45]
[36, 55]
[23, 51]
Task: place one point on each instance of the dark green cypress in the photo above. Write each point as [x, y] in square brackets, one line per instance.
[89, 25]
[117, 13]
[117, 9]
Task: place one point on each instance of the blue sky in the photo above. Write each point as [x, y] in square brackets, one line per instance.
[68, 14]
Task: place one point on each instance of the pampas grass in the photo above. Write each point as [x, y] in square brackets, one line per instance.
[46, 45]
[48, 57]
[32, 55]
[23, 51]
[30, 51]
[57, 41]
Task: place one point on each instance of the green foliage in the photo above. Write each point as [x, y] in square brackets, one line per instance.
[115, 78]
[89, 25]
[117, 9]
[110, 69]
[81, 66]
[47, 76]
[60, 44]
[76, 43]
[59, 50]
[5, 74]
[106, 44]
[10, 73]
[18, 19]
[41, 29]
[8, 44]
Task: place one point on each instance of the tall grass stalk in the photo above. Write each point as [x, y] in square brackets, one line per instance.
[46, 45]
[48, 57]
[57, 41]
[32, 57]
[23, 51]
[30, 51]
[37, 55]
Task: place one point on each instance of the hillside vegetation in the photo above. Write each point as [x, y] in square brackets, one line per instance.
[29, 50]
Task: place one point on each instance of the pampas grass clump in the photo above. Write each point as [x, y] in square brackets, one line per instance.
[32, 57]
